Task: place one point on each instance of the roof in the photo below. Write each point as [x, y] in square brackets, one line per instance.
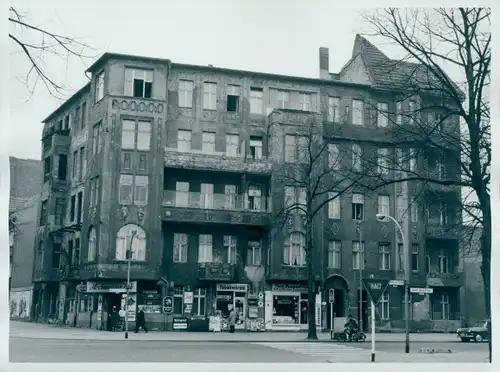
[68, 102]
[392, 74]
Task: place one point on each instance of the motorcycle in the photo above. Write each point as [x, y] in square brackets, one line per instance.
[357, 336]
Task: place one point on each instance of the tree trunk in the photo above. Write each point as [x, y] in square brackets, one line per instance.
[311, 285]
[486, 266]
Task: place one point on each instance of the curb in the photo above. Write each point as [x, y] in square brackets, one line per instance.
[352, 344]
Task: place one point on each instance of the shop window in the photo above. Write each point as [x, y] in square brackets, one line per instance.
[199, 303]
[303, 308]
[178, 299]
[224, 302]
[286, 309]
[384, 306]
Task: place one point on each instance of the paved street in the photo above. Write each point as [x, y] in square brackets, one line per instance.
[42, 343]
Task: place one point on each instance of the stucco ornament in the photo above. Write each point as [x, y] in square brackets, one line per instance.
[124, 212]
[335, 228]
[384, 231]
[289, 222]
[414, 231]
[140, 214]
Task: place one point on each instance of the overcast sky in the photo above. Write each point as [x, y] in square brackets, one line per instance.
[247, 35]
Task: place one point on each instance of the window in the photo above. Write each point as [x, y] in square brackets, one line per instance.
[445, 306]
[294, 249]
[233, 98]
[208, 143]
[283, 98]
[382, 112]
[184, 140]
[94, 191]
[256, 99]
[72, 208]
[141, 190]
[400, 256]
[414, 257]
[56, 255]
[199, 301]
[295, 199]
[229, 249]
[254, 198]
[67, 122]
[358, 201]
[205, 248]
[125, 193]
[77, 115]
[256, 147]
[304, 101]
[136, 135]
[76, 257]
[47, 168]
[254, 253]
[440, 167]
[356, 157]
[186, 93]
[443, 261]
[96, 136]
[99, 87]
[79, 207]
[443, 214]
[334, 254]
[143, 162]
[131, 239]
[414, 210]
[383, 161]
[399, 109]
[399, 162]
[333, 156]
[427, 263]
[232, 144]
[400, 208]
[334, 109]
[209, 96]
[178, 300]
[181, 194]
[412, 112]
[357, 112]
[92, 251]
[82, 165]
[84, 115]
[138, 83]
[296, 149]
[62, 170]
[230, 197]
[59, 212]
[74, 168]
[384, 306]
[180, 248]
[46, 143]
[358, 255]
[290, 148]
[413, 160]
[383, 205]
[384, 253]
[334, 206]
[410, 308]
[207, 195]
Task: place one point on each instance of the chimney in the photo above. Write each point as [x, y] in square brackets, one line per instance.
[324, 63]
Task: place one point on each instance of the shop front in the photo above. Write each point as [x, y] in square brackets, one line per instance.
[229, 296]
[286, 307]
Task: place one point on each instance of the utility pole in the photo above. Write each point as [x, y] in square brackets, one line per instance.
[129, 258]
[361, 265]
[406, 249]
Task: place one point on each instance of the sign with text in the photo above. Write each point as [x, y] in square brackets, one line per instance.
[221, 287]
[396, 283]
[168, 304]
[179, 323]
[109, 287]
[331, 295]
[188, 298]
[375, 288]
[422, 290]
[288, 287]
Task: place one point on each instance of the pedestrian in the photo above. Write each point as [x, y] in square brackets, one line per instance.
[115, 319]
[141, 322]
[232, 320]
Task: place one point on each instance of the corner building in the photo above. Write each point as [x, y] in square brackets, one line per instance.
[177, 161]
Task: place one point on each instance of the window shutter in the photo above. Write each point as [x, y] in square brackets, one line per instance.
[128, 84]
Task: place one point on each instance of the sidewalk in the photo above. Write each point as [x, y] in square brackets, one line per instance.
[46, 331]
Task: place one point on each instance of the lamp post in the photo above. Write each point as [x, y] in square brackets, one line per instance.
[129, 258]
[361, 266]
[381, 217]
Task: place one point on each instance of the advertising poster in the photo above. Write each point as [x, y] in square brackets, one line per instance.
[132, 306]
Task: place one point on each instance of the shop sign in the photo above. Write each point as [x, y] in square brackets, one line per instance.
[421, 291]
[180, 323]
[108, 287]
[232, 287]
[168, 304]
[188, 297]
[288, 287]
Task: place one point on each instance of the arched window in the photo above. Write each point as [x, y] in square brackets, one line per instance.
[92, 245]
[128, 234]
[295, 249]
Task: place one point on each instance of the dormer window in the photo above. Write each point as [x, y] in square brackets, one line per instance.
[138, 83]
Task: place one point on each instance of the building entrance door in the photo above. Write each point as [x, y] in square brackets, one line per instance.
[240, 308]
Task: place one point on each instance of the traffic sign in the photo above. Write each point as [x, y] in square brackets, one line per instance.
[168, 304]
[396, 282]
[375, 288]
[422, 290]
[81, 288]
[331, 295]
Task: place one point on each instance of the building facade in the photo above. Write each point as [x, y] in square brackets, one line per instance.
[178, 164]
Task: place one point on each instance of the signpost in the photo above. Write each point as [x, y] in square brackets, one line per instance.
[168, 305]
[422, 291]
[331, 298]
[375, 289]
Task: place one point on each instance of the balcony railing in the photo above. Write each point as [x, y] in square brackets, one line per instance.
[197, 200]
[439, 279]
[216, 271]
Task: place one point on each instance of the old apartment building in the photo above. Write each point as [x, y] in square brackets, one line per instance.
[178, 162]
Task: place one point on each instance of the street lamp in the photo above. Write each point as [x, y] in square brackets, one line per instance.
[381, 218]
[129, 258]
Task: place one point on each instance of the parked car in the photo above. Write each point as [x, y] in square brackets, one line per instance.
[477, 333]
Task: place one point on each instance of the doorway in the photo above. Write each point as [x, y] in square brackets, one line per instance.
[240, 308]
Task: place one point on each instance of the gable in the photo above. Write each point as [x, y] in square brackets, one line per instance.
[356, 72]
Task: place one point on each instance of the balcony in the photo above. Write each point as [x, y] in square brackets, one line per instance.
[139, 270]
[219, 272]
[216, 208]
[288, 272]
[69, 272]
[437, 279]
[439, 231]
[219, 162]
[46, 275]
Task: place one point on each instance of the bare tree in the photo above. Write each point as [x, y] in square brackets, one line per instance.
[312, 176]
[443, 118]
[35, 43]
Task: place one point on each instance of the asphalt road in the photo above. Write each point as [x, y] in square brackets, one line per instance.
[78, 351]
